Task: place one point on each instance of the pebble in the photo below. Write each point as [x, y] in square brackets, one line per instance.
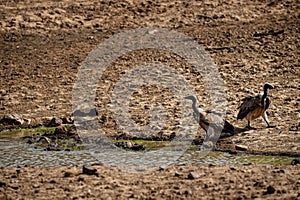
[162, 168]
[270, 190]
[3, 92]
[2, 184]
[177, 174]
[55, 121]
[296, 161]
[80, 178]
[67, 174]
[241, 147]
[15, 187]
[193, 175]
[60, 130]
[89, 171]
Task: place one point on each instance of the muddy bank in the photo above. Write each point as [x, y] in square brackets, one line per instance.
[64, 130]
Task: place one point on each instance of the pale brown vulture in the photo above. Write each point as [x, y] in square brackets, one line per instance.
[254, 107]
[205, 119]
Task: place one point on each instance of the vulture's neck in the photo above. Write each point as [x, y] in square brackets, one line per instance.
[264, 96]
[265, 93]
[194, 106]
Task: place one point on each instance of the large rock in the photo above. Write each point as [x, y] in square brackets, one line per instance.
[12, 119]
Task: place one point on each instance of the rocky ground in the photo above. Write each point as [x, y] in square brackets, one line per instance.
[180, 182]
[43, 44]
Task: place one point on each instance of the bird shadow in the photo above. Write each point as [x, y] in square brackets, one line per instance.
[237, 130]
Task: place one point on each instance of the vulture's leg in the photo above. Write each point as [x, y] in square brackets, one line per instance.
[265, 116]
[249, 127]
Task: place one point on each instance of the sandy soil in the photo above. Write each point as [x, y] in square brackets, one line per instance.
[181, 182]
[44, 42]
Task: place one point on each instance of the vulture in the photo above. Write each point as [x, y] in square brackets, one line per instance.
[255, 107]
[205, 118]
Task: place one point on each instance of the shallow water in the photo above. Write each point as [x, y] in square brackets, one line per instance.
[15, 152]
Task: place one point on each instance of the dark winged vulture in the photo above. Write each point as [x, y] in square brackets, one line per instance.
[205, 118]
[254, 107]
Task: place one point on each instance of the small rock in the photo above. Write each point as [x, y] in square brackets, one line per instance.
[60, 130]
[129, 145]
[258, 184]
[288, 99]
[177, 174]
[15, 187]
[162, 168]
[296, 161]
[3, 92]
[137, 147]
[55, 121]
[97, 164]
[89, 171]
[67, 174]
[80, 178]
[2, 184]
[270, 190]
[176, 187]
[241, 147]
[193, 175]
[5, 98]
[67, 120]
[188, 192]
[283, 171]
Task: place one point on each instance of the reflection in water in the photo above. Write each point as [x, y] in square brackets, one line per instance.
[14, 152]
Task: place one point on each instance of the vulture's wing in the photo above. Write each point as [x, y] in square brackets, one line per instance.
[249, 104]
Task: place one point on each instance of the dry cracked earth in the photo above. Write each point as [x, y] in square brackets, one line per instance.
[43, 44]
